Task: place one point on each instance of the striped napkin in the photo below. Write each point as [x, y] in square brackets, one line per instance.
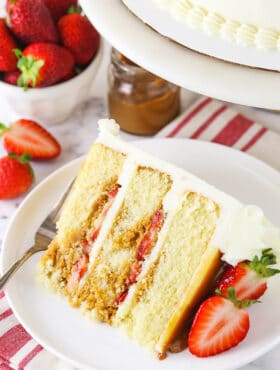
[211, 120]
[206, 119]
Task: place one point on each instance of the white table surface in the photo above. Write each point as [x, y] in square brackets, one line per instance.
[79, 131]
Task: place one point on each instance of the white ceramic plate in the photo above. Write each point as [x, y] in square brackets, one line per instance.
[65, 332]
[189, 69]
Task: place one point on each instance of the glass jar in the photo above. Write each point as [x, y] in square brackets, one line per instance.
[139, 101]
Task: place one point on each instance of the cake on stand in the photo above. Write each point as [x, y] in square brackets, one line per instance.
[192, 70]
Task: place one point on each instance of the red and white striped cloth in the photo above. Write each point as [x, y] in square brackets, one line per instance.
[211, 120]
[17, 349]
[206, 119]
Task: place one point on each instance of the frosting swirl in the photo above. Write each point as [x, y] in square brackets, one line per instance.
[244, 34]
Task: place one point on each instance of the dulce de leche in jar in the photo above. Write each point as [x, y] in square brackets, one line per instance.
[139, 101]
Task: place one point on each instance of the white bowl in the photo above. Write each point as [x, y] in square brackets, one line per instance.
[50, 105]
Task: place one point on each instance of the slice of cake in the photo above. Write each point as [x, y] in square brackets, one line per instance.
[140, 241]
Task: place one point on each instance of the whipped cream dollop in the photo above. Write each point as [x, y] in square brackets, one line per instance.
[108, 126]
[244, 234]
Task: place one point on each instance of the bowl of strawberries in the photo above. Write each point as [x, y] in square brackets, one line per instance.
[49, 56]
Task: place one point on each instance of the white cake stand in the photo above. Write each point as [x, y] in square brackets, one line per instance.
[191, 70]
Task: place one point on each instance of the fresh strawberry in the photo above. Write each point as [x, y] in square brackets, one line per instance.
[71, 75]
[16, 176]
[219, 324]
[58, 8]
[249, 279]
[31, 21]
[79, 36]
[11, 77]
[25, 136]
[8, 60]
[44, 64]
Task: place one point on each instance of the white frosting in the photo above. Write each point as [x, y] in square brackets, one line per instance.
[229, 30]
[262, 13]
[245, 34]
[254, 23]
[242, 231]
[244, 234]
[108, 126]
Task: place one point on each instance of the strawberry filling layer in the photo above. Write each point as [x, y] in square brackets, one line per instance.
[145, 246]
[81, 266]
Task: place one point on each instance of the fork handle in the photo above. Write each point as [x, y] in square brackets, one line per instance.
[6, 277]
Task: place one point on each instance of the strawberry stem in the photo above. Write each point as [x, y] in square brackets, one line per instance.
[232, 297]
[75, 10]
[3, 129]
[18, 53]
[24, 158]
[30, 68]
[260, 265]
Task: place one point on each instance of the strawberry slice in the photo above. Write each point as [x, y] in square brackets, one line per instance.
[145, 246]
[220, 324]
[78, 271]
[249, 279]
[100, 219]
[135, 271]
[149, 238]
[114, 191]
[121, 298]
[25, 136]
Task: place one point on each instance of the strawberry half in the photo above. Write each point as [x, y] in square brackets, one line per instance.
[16, 176]
[25, 136]
[44, 64]
[219, 324]
[249, 279]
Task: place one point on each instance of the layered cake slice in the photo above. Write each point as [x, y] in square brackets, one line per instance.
[140, 242]
[91, 196]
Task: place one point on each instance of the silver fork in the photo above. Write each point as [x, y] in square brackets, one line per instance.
[44, 235]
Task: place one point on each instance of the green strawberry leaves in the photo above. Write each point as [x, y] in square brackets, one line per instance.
[261, 265]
